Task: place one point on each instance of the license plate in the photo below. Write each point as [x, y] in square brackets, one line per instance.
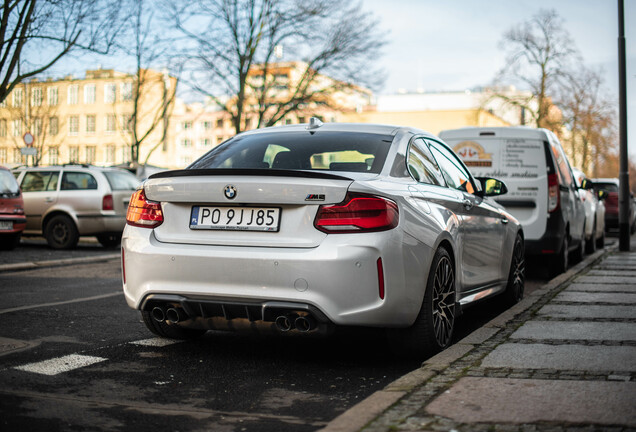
[235, 218]
[4, 225]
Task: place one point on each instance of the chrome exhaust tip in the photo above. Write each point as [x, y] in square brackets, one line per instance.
[175, 315]
[305, 323]
[158, 314]
[283, 323]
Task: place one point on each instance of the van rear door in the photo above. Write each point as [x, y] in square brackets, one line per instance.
[521, 164]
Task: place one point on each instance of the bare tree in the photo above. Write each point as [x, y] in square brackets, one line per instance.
[35, 34]
[38, 118]
[539, 52]
[238, 49]
[590, 117]
[154, 92]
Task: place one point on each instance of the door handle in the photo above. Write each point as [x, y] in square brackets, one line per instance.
[48, 199]
[504, 221]
[468, 204]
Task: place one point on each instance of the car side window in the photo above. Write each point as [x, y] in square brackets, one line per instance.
[422, 165]
[562, 165]
[39, 181]
[78, 181]
[454, 172]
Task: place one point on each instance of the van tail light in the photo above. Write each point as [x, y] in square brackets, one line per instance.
[142, 212]
[553, 192]
[107, 203]
[358, 213]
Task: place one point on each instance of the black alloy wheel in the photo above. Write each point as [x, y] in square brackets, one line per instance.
[443, 302]
[517, 277]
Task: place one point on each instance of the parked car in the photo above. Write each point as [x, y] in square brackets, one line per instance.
[65, 202]
[610, 187]
[542, 195]
[594, 212]
[307, 227]
[12, 220]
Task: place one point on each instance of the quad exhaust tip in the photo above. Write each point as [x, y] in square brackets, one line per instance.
[303, 324]
[173, 314]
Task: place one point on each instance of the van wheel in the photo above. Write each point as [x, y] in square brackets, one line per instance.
[590, 245]
[560, 263]
[600, 242]
[516, 277]
[433, 328]
[61, 233]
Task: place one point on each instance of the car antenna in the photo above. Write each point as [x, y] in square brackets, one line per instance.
[314, 123]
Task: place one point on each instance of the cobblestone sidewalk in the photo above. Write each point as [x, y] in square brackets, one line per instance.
[562, 360]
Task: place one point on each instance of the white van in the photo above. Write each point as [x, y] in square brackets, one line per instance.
[542, 192]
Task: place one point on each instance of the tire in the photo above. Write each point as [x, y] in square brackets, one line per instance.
[9, 242]
[517, 276]
[170, 331]
[432, 330]
[600, 242]
[578, 254]
[560, 263]
[61, 232]
[590, 245]
[109, 240]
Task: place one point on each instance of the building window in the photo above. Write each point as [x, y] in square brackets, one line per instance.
[186, 142]
[110, 93]
[52, 95]
[73, 154]
[54, 155]
[185, 160]
[3, 155]
[17, 127]
[205, 142]
[17, 97]
[90, 154]
[17, 156]
[110, 123]
[89, 94]
[73, 125]
[126, 92]
[110, 154]
[187, 125]
[127, 122]
[54, 126]
[3, 128]
[37, 127]
[36, 96]
[90, 123]
[207, 125]
[73, 94]
[125, 154]
[219, 123]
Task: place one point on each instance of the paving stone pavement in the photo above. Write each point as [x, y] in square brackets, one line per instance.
[562, 360]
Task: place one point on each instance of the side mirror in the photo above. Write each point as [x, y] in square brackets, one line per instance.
[492, 187]
[586, 184]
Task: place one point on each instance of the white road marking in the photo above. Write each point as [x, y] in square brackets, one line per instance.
[61, 364]
[155, 342]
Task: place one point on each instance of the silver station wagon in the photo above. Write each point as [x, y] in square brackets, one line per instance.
[306, 227]
[63, 203]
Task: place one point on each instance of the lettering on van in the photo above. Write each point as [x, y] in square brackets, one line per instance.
[473, 154]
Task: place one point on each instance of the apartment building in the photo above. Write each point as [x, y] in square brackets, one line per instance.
[87, 120]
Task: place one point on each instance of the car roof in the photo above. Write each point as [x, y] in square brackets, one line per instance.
[380, 129]
[500, 132]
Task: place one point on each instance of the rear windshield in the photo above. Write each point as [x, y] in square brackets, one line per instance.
[8, 185]
[324, 150]
[121, 180]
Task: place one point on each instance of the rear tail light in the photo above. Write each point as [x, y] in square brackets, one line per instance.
[553, 192]
[142, 212]
[358, 213]
[107, 203]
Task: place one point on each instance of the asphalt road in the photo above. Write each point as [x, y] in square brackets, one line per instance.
[73, 356]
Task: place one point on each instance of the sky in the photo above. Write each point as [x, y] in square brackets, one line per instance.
[455, 45]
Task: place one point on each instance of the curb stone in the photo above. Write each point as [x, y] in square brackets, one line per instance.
[460, 356]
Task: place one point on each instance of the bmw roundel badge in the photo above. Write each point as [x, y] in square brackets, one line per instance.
[230, 192]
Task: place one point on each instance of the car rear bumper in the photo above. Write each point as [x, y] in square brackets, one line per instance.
[339, 278]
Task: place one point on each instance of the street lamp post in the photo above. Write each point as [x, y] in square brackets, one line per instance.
[623, 175]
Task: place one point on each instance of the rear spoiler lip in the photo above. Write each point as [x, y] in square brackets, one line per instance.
[248, 172]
